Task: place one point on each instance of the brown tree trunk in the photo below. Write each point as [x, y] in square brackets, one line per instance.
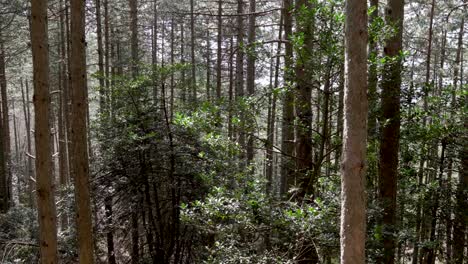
[353, 193]
[6, 127]
[100, 50]
[219, 50]
[79, 134]
[250, 79]
[389, 142]
[303, 104]
[272, 115]
[44, 184]
[4, 172]
[287, 144]
[134, 70]
[192, 52]
[461, 206]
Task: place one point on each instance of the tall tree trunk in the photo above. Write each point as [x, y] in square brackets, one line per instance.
[44, 183]
[100, 50]
[183, 77]
[419, 218]
[240, 74]
[29, 162]
[461, 207]
[303, 104]
[250, 83]
[389, 142]
[6, 129]
[134, 53]
[372, 80]
[171, 109]
[353, 193]
[272, 115]
[192, 52]
[208, 62]
[4, 175]
[79, 134]
[287, 144]
[61, 115]
[219, 50]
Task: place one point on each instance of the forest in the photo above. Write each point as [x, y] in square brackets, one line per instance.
[233, 131]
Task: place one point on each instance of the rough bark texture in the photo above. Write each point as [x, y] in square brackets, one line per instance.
[303, 104]
[389, 143]
[287, 144]
[4, 175]
[44, 182]
[79, 133]
[353, 193]
[219, 50]
[6, 124]
[251, 57]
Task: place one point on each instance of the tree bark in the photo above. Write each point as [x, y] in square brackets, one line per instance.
[79, 133]
[219, 50]
[353, 193]
[44, 183]
[192, 52]
[250, 79]
[287, 144]
[389, 142]
[6, 127]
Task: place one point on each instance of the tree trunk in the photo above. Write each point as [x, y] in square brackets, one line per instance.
[219, 50]
[287, 144]
[389, 142]
[100, 50]
[250, 82]
[7, 196]
[353, 193]
[304, 113]
[372, 80]
[79, 133]
[272, 115]
[192, 52]
[44, 183]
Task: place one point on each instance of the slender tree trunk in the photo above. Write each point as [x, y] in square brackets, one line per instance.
[208, 62]
[250, 82]
[192, 52]
[353, 195]
[29, 162]
[389, 143]
[4, 178]
[44, 184]
[171, 109]
[219, 50]
[272, 119]
[240, 75]
[182, 61]
[134, 53]
[155, 50]
[461, 206]
[61, 115]
[100, 50]
[287, 144]
[373, 78]
[231, 88]
[419, 219]
[79, 132]
[6, 131]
